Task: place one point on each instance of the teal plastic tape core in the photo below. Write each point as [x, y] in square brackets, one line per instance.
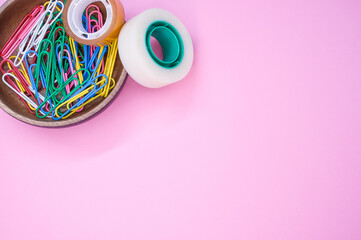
[170, 41]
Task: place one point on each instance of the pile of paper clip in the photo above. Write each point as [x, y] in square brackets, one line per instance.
[53, 75]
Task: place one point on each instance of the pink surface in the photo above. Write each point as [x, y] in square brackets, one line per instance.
[261, 141]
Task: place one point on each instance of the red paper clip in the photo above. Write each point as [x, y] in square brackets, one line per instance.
[21, 31]
[15, 71]
[18, 74]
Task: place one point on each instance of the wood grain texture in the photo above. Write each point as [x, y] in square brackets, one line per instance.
[11, 14]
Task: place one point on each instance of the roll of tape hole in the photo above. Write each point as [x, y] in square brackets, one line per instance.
[170, 41]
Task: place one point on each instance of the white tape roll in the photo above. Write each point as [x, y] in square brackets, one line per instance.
[138, 58]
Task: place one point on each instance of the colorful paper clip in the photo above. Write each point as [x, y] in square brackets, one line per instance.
[54, 76]
[21, 31]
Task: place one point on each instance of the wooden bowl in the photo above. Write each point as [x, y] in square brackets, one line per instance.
[11, 14]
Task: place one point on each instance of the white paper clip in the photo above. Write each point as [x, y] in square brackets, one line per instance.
[38, 31]
[21, 94]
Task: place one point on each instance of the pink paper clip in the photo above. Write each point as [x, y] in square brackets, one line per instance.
[21, 31]
[17, 73]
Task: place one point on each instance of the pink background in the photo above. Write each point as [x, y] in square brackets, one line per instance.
[261, 141]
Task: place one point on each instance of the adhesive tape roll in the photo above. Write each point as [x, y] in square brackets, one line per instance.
[137, 55]
[73, 12]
